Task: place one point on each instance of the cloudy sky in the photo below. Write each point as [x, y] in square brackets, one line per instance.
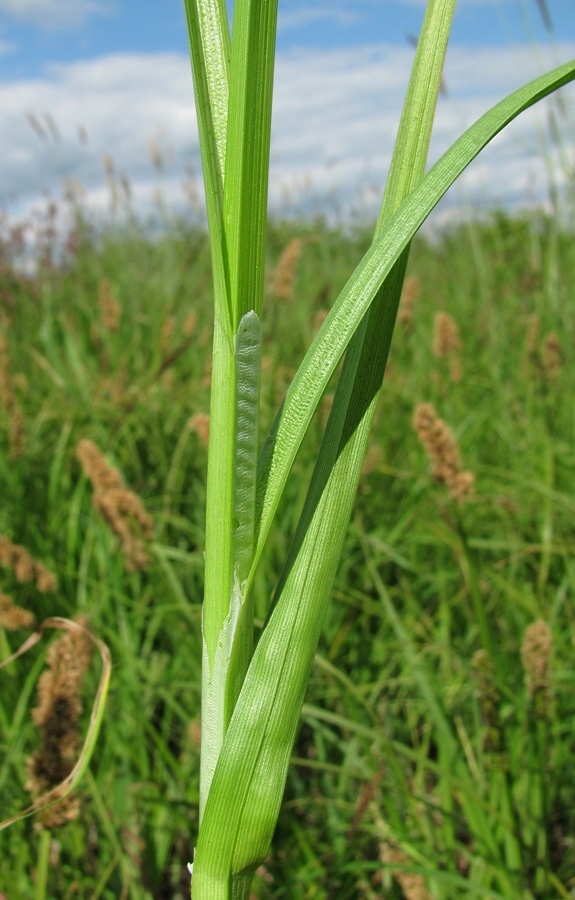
[96, 91]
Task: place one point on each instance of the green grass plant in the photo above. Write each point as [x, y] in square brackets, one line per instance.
[419, 752]
[251, 702]
[365, 776]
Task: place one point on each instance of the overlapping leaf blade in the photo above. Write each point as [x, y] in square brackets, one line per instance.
[336, 332]
[248, 783]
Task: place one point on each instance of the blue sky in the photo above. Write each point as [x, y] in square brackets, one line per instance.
[37, 32]
[84, 81]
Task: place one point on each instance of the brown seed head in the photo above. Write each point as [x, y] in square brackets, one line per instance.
[101, 474]
[443, 452]
[57, 717]
[536, 657]
[446, 339]
[411, 883]
[285, 272]
[110, 309]
[25, 568]
[551, 356]
[121, 508]
[13, 616]
[455, 371]
[284, 277]
[45, 580]
[190, 323]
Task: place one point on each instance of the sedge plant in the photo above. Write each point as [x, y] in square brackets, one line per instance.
[252, 697]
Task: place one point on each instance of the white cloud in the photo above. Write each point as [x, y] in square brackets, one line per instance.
[337, 112]
[52, 14]
[62, 126]
[335, 116]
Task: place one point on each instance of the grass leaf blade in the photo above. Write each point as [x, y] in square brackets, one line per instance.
[331, 341]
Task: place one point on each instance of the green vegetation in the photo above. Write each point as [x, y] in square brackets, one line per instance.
[253, 692]
[426, 752]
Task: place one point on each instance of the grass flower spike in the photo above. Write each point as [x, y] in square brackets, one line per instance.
[536, 657]
[16, 557]
[443, 452]
[446, 339]
[13, 616]
[120, 507]
[57, 718]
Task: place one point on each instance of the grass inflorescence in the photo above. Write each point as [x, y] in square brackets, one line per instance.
[435, 750]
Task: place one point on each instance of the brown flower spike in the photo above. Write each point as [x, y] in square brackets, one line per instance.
[443, 452]
[536, 658]
[57, 719]
[110, 309]
[284, 277]
[412, 884]
[16, 557]
[120, 507]
[446, 337]
[13, 616]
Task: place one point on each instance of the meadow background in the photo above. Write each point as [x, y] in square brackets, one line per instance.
[436, 740]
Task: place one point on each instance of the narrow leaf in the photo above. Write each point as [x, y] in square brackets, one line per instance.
[319, 364]
[247, 155]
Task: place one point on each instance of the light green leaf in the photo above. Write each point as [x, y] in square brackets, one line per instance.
[324, 354]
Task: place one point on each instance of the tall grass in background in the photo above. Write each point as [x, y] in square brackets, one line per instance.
[434, 753]
[369, 805]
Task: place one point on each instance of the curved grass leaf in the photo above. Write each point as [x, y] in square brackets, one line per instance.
[325, 352]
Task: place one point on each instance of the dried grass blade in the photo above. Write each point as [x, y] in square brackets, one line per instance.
[62, 790]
